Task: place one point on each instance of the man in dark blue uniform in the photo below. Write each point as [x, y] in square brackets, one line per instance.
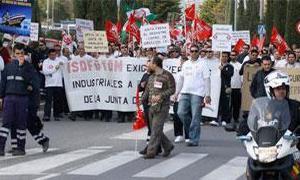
[34, 124]
[16, 84]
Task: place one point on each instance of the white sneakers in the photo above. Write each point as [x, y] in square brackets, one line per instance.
[179, 139]
[187, 140]
[223, 123]
[214, 123]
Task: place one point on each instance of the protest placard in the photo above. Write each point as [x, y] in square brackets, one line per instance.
[221, 37]
[249, 72]
[34, 32]
[294, 74]
[95, 41]
[83, 25]
[244, 35]
[156, 35]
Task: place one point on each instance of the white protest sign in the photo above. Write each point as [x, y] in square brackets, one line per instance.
[173, 66]
[34, 31]
[95, 41]
[211, 110]
[108, 84]
[83, 25]
[244, 35]
[221, 37]
[156, 35]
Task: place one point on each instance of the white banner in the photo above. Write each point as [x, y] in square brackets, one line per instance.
[34, 31]
[221, 37]
[156, 35]
[108, 84]
[215, 90]
[244, 35]
[83, 25]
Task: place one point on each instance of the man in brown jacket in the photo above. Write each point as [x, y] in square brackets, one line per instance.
[161, 85]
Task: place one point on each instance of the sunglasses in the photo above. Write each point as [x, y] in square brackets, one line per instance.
[194, 51]
[19, 53]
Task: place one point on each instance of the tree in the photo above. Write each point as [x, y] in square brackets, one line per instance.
[279, 17]
[241, 18]
[206, 12]
[293, 14]
[269, 19]
[252, 15]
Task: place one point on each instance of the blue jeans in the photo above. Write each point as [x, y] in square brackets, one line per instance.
[189, 111]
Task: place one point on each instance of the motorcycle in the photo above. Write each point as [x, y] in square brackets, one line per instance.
[269, 144]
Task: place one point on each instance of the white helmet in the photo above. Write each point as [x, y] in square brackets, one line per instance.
[275, 79]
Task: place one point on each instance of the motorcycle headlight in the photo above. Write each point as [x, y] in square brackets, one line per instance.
[266, 154]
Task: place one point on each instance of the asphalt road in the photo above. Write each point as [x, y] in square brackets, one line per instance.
[108, 150]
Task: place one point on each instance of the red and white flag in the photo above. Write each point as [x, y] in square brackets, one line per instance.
[278, 41]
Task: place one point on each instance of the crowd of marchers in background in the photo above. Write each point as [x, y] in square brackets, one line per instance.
[49, 87]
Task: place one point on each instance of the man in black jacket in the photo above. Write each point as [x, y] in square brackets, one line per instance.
[257, 88]
[227, 71]
[16, 85]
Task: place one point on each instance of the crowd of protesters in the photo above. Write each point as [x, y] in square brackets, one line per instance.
[198, 62]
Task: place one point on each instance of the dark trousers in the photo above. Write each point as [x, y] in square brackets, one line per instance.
[224, 106]
[236, 98]
[65, 106]
[15, 112]
[178, 125]
[53, 94]
[122, 116]
[106, 115]
[34, 126]
[146, 116]
[157, 120]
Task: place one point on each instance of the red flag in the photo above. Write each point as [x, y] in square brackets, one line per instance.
[259, 43]
[139, 122]
[278, 41]
[67, 39]
[239, 46]
[113, 31]
[133, 29]
[190, 13]
[175, 33]
[202, 31]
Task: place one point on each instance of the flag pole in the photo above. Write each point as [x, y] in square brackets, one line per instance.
[185, 27]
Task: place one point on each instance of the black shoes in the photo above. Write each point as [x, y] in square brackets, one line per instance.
[45, 145]
[56, 119]
[18, 152]
[231, 127]
[168, 152]
[2, 153]
[149, 156]
[144, 151]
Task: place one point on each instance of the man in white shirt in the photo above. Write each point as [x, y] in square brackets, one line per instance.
[194, 86]
[290, 62]
[53, 83]
[82, 55]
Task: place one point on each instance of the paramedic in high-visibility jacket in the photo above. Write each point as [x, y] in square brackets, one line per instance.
[16, 84]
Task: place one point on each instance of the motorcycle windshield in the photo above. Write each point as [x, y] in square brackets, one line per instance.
[267, 112]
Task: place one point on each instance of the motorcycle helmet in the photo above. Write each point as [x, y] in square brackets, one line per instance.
[276, 79]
